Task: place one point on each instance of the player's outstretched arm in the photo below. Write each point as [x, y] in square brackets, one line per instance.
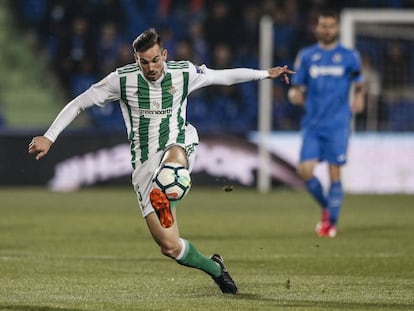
[280, 72]
[239, 75]
[39, 146]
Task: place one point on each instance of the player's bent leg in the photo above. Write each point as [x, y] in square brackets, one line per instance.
[214, 266]
[162, 207]
[306, 168]
[186, 254]
[167, 239]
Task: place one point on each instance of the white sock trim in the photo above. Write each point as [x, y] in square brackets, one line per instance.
[184, 247]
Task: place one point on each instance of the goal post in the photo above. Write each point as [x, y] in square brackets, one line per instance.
[265, 105]
[349, 17]
[378, 34]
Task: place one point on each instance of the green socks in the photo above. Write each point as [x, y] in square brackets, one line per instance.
[190, 257]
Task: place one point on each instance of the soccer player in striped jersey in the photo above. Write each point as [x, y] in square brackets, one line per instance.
[325, 73]
[153, 97]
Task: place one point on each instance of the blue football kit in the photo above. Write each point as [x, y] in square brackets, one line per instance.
[327, 76]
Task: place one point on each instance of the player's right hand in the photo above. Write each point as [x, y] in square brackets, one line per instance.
[296, 96]
[39, 146]
[281, 72]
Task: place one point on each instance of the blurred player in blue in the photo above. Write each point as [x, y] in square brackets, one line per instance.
[326, 72]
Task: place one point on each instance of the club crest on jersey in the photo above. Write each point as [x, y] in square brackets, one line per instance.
[155, 105]
[172, 90]
[315, 57]
[337, 58]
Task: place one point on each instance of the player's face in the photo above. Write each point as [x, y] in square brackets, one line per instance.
[327, 30]
[151, 62]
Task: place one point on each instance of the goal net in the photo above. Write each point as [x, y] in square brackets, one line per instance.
[385, 40]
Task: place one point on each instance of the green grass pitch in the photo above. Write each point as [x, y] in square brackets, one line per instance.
[91, 250]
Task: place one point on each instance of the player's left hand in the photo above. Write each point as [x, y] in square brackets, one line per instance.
[280, 72]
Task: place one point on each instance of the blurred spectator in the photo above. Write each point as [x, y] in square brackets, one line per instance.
[397, 67]
[184, 51]
[168, 38]
[125, 55]
[285, 116]
[397, 92]
[107, 11]
[284, 34]
[249, 27]
[226, 103]
[108, 46]
[369, 119]
[221, 25]
[33, 16]
[82, 79]
[198, 41]
[135, 18]
[75, 48]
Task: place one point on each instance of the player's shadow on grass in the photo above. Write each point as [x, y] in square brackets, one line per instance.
[329, 305]
[34, 308]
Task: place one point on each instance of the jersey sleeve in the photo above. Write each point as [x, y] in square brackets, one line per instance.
[300, 78]
[201, 76]
[106, 90]
[356, 68]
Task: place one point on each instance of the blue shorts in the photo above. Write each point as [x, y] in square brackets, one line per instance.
[325, 145]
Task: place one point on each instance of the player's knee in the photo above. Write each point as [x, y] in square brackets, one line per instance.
[170, 249]
[173, 179]
[305, 172]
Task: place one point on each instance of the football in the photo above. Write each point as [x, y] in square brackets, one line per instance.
[174, 180]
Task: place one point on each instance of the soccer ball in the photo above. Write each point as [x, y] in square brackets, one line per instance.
[174, 180]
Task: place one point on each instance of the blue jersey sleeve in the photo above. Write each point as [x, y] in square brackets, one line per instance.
[300, 78]
[356, 74]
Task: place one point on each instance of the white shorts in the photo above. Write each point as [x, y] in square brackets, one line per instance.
[143, 174]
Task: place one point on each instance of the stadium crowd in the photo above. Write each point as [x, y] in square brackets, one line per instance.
[86, 39]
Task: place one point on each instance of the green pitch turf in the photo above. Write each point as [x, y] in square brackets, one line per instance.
[90, 250]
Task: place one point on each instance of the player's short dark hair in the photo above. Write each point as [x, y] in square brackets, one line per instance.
[147, 40]
[329, 13]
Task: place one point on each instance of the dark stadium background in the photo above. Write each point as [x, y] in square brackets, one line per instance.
[68, 45]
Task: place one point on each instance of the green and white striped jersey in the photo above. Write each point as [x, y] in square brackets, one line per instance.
[154, 111]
